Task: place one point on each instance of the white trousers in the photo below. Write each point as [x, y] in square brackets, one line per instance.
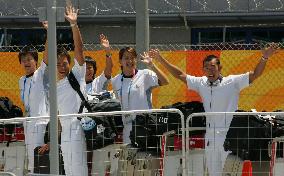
[73, 147]
[34, 130]
[214, 151]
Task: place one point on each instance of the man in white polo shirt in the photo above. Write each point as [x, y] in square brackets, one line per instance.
[219, 94]
[73, 143]
[98, 84]
[34, 97]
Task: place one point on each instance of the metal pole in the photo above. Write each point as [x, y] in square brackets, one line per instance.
[142, 27]
[52, 61]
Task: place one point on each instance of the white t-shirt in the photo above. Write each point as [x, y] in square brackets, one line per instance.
[68, 99]
[99, 84]
[33, 92]
[134, 94]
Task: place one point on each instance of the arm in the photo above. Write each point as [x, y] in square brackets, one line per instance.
[45, 53]
[162, 79]
[109, 65]
[266, 53]
[175, 71]
[71, 15]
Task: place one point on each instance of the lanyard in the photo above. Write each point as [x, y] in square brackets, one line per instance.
[128, 94]
[90, 88]
[29, 92]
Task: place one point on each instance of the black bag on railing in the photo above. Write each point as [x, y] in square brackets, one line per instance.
[188, 108]
[147, 128]
[99, 131]
[249, 137]
[9, 110]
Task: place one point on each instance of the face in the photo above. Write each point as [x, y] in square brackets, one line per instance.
[62, 67]
[89, 72]
[212, 70]
[128, 63]
[28, 63]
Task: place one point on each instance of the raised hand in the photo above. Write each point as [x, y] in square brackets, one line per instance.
[45, 24]
[155, 53]
[71, 14]
[104, 41]
[146, 59]
[270, 50]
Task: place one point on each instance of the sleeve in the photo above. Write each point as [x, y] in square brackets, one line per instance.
[101, 83]
[21, 88]
[79, 71]
[241, 81]
[151, 79]
[40, 72]
[116, 85]
[193, 82]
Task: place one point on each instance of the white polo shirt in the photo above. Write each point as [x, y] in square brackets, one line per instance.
[68, 99]
[33, 93]
[134, 94]
[99, 84]
[221, 98]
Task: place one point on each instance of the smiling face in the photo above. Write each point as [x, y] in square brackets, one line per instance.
[63, 67]
[128, 61]
[28, 63]
[90, 71]
[212, 69]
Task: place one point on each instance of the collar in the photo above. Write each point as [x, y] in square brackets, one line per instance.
[129, 76]
[88, 82]
[30, 75]
[216, 82]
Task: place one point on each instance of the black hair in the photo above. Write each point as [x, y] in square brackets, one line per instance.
[129, 50]
[210, 58]
[62, 52]
[28, 50]
[89, 59]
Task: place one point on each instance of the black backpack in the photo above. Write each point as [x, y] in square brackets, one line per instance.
[249, 136]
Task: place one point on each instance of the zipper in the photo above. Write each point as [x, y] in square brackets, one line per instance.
[211, 99]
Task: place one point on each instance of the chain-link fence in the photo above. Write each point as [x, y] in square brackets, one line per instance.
[266, 93]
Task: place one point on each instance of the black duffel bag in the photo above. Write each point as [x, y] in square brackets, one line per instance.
[147, 128]
[99, 131]
[249, 137]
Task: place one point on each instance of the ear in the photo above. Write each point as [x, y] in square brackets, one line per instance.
[220, 68]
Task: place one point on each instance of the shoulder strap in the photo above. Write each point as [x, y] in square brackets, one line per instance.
[76, 86]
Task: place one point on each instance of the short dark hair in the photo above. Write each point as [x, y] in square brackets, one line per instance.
[89, 59]
[210, 58]
[129, 50]
[62, 52]
[28, 50]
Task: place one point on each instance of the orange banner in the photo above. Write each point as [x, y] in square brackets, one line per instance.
[266, 93]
